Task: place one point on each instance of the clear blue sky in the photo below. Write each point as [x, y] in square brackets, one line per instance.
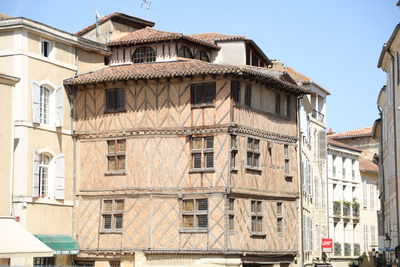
[335, 42]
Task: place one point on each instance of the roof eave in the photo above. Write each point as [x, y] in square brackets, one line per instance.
[387, 45]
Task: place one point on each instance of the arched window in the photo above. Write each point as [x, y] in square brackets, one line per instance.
[44, 104]
[184, 51]
[44, 174]
[144, 54]
[201, 55]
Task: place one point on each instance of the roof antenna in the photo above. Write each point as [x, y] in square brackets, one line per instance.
[97, 17]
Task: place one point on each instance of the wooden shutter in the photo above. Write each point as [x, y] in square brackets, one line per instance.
[235, 91]
[36, 178]
[287, 106]
[59, 176]
[121, 99]
[365, 194]
[35, 102]
[196, 94]
[247, 96]
[322, 144]
[278, 104]
[59, 106]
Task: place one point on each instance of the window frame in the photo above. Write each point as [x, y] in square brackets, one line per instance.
[279, 218]
[247, 95]
[117, 105]
[116, 156]
[204, 102]
[49, 48]
[146, 56]
[278, 104]
[231, 214]
[258, 217]
[113, 213]
[202, 55]
[183, 49]
[204, 151]
[253, 152]
[42, 167]
[195, 213]
[235, 91]
[44, 104]
[234, 152]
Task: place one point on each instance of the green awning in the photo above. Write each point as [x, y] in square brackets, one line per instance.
[61, 244]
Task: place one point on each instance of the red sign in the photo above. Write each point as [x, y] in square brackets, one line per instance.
[327, 245]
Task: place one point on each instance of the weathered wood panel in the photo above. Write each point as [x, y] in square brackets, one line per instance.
[87, 227]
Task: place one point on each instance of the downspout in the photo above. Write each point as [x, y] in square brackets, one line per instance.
[382, 170]
[300, 183]
[395, 144]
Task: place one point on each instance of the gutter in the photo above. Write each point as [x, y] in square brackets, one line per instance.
[300, 183]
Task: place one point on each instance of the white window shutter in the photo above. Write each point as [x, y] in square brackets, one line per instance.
[36, 178]
[59, 106]
[365, 194]
[35, 102]
[60, 176]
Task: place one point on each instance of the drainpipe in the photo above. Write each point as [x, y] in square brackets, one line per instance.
[382, 171]
[395, 144]
[300, 183]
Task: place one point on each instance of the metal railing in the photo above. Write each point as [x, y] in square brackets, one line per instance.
[318, 115]
[337, 249]
[337, 208]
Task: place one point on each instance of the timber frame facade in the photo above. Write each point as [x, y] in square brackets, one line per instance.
[185, 162]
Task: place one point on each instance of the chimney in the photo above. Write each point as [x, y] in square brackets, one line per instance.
[330, 132]
[277, 65]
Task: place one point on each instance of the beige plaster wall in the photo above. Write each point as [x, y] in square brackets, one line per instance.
[6, 141]
[89, 61]
[232, 53]
[49, 219]
[7, 40]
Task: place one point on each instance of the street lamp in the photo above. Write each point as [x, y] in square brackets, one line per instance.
[386, 241]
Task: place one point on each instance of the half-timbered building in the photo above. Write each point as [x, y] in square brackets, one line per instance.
[186, 154]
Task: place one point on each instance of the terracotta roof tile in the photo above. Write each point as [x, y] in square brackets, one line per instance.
[148, 35]
[215, 37]
[367, 165]
[297, 76]
[340, 144]
[182, 67]
[114, 15]
[361, 132]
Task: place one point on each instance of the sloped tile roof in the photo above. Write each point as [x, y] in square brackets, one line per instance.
[215, 37]
[361, 132]
[149, 35]
[368, 165]
[297, 76]
[182, 67]
[114, 15]
[340, 144]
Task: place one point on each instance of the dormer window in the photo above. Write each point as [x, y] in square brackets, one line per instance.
[184, 51]
[144, 54]
[201, 55]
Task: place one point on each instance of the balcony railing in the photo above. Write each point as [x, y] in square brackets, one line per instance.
[337, 249]
[337, 208]
[347, 249]
[355, 206]
[346, 208]
[318, 115]
[356, 250]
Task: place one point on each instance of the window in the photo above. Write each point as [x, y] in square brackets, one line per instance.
[256, 217]
[353, 168]
[116, 154]
[333, 166]
[372, 196]
[112, 214]
[45, 48]
[253, 153]
[279, 218]
[247, 95]
[286, 106]
[44, 104]
[235, 91]
[195, 214]
[287, 160]
[201, 55]
[44, 261]
[231, 214]
[233, 151]
[115, 263]
[203, 93]
[144, 54]
[44, 174]
[115, 99]
[344, 167]
[202, 153]
[184, 51]
[278, 104]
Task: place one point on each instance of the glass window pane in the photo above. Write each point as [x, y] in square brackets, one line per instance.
[111, 146]
[256, 144]
[259, 206]
[107, 221]
[249, 143]
[279, 208]
[210, 92]
[209, 142]
[231, 204]
[231, 225]
[209, 160]
[259, 224]
[118, 221]
[197, 94]
[188, 205]
[121, 162]
[188, 221]
[249, 159]
[119, 204]
[256, 160]
[202, 221]
[253, 206]
[196, 143]
[253, 224]
[111, 163]
[202, 204]
[107, 205]
[196, 161]
[121, 145]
